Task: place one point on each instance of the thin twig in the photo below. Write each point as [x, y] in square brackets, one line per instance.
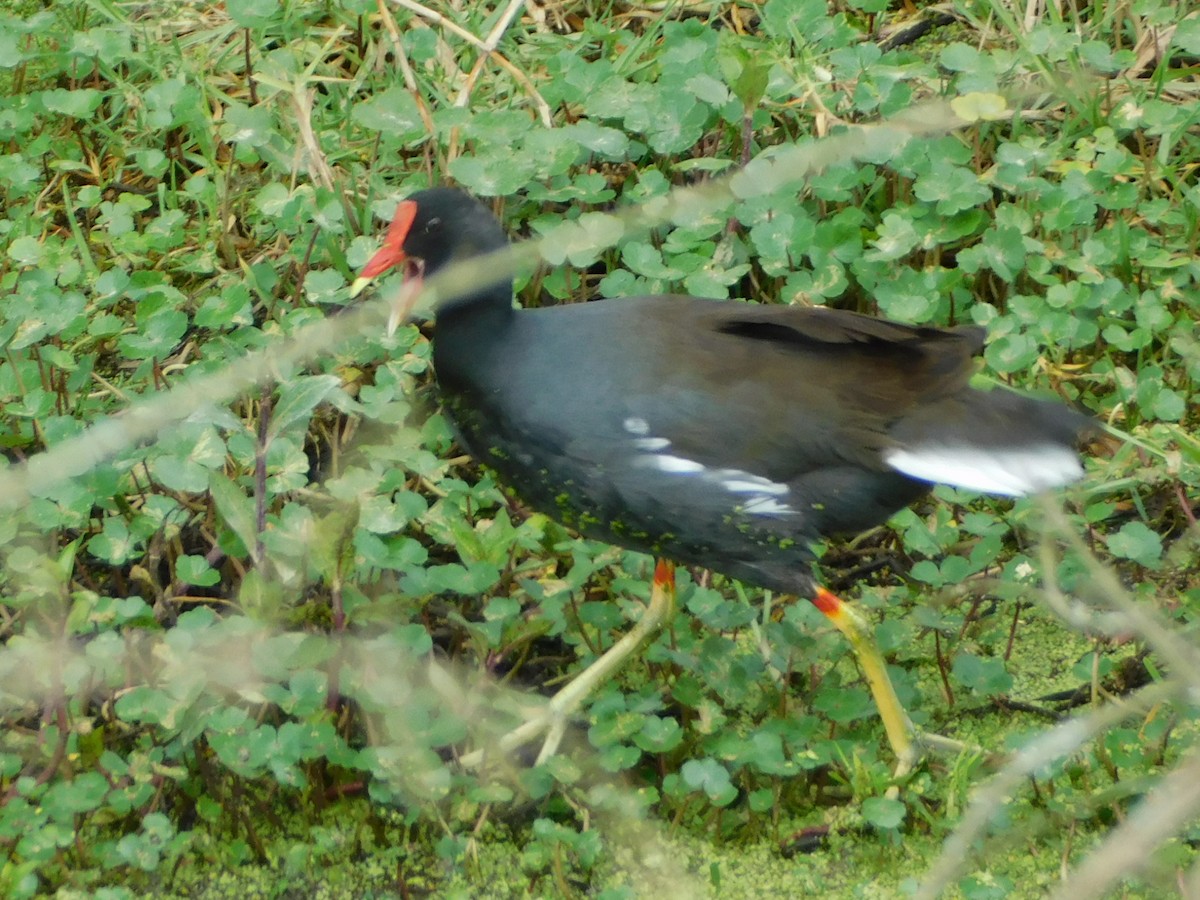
[490, 43]
[302, 100]
[260, 475]
[543, 108]
[406, 70]
[438, 19]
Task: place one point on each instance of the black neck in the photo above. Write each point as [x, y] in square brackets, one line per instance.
[492, 303]
[470, 333]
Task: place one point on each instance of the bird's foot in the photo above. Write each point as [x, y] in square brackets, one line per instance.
[552, 719]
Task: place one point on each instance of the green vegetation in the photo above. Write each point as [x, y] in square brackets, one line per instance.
[254, 599]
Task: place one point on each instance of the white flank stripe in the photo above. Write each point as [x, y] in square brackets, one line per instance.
[738, 482]
[676, 464]
[638, 426]
[764, 493]
[1011, 472]
[651, 443]
[767, 506]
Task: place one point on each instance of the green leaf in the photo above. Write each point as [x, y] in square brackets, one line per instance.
[11, 54]
[960, 57]
[778, 238]
[646, 259]
[250, 126]
[298, 398]
[493, 174]
[159, 334]
[709, 776]
[252, 13]
[608, 142]
[186, 456]
[564, 769]
[235, 508]
[333, 546]
[144, 704]
[678, 125]
[25, 251]
[79, 103]
[226, 309]
[1089, 665]
[982, 674]
[1187, 35]
[884, 813]
[47, 312]
[1169, 405]
[897, 237]
[980, 106]
[115, 544]
[1012, 353]
[927, 571]
[245, 752]
[82, 794]
[986, 886]
[952, 189]
[1137, 542]
[196, 570]
[393, 112]
[309, 689]
[708, 90]
[760, 801]
[659, 735]
[765, 752]
[582, 241]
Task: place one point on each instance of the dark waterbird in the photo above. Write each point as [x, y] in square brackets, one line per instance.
[715, 433]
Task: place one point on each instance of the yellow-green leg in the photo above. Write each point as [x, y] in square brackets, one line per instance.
[552, 719]
[900, 732]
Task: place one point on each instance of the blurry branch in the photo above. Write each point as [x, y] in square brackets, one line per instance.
[405, 695]
[237, 659]
[1181, 657]
[990, 800]
[1165, 809]
[579, 241]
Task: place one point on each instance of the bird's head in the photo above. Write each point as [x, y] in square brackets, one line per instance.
[431, 229]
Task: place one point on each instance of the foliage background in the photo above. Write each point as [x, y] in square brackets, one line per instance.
[253, 644]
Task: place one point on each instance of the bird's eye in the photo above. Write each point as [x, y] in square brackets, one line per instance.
[433, 224]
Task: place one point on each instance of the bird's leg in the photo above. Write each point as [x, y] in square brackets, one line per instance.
[552, 719]
[900, 732]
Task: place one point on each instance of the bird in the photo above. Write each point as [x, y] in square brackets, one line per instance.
[722, 434]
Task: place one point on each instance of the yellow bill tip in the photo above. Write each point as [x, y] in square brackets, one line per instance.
[359, 285]
[394, 318]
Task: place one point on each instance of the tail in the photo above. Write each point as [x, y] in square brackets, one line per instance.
[996, 442]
